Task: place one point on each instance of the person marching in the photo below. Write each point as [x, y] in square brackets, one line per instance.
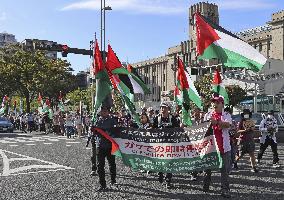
[247, 145]
[105, 121]
[268, 128]
[165, 120]
[221, 122]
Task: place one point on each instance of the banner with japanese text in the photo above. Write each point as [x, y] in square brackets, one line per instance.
[172, 150]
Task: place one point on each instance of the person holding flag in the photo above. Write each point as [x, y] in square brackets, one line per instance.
[104, 122]
[220, 122]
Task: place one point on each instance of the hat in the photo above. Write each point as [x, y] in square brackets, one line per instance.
[218, 99]
[150, 109]
[164, 105]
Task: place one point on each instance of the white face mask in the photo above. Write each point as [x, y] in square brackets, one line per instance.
[270, 116]
[246, 116]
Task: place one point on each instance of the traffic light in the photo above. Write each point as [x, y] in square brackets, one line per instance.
[64, 48]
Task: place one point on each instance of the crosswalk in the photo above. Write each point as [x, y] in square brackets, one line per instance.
[29, 140]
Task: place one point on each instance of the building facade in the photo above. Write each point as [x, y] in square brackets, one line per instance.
[6, 39]
[159, 73]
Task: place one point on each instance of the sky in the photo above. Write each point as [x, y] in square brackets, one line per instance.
[136, 29]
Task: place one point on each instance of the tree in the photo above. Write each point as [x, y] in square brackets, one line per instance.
[204, 87]
[236, 94]
[28, 73]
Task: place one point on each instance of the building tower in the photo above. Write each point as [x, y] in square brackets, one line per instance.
[277, 34]
[206, 9]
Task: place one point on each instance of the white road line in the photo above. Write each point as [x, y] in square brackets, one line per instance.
[30, 144]
[14, 145]
[73, 142]
[68, 145]
[47, 165]
[47, 143]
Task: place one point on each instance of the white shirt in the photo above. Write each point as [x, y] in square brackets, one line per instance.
[225, 117]
[263, 129]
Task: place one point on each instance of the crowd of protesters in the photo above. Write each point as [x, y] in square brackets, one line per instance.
[67, 124]
[234, 138]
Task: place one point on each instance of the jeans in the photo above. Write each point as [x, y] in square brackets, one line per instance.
[226, 157]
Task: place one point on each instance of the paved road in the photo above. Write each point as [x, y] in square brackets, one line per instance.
[35, 166]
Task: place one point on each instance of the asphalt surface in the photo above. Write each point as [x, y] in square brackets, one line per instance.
[37, 166]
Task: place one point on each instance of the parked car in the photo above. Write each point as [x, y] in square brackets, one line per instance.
[6, 125]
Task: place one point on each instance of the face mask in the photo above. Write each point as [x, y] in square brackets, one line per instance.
[269, 116]
[246, 116]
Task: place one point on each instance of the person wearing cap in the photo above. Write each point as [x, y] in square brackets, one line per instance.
[151, 115]
[105, 121]
[268, 128]
[221, 122]
[165, 120]
[246, 139]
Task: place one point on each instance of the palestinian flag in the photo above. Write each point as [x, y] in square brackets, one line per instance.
[186, 87]
[125, 92]
[219, 88]
[103, 84]
[60, 104]
[46, 106]
[132, 81]
[3, 105]
[214, 41]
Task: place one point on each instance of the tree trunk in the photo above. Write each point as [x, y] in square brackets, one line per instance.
[28, 108]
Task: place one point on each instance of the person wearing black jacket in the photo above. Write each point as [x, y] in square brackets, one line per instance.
[161, 121]
[104, 122]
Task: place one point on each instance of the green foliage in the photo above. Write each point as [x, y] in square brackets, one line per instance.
[27, 73]
[78, 95]
[118, 104]
[236, 94]
[204, 87]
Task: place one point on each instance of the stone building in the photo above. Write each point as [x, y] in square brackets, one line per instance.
[6, 39]
[159, 73]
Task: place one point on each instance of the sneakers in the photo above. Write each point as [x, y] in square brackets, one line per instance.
[254, 170]
[226, 194]
[275, 165]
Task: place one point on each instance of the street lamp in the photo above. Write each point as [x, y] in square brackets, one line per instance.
[103, 25]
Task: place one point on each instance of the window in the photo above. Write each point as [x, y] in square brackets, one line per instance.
[164, 77]
[260, 46]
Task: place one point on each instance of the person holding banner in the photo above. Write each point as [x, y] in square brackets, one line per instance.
[165, 120]
[221, 122]
[105, 121]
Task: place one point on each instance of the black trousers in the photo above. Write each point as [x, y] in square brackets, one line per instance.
[168, 177]
[263, 147]
[102, 154]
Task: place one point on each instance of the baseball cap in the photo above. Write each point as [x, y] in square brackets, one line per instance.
[164, 105]
[218, 99]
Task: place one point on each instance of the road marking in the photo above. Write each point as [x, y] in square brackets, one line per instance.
[68, 145]
[73, 142]
[7, 171]
[14, 145]
[47, 143]
[30, 144]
